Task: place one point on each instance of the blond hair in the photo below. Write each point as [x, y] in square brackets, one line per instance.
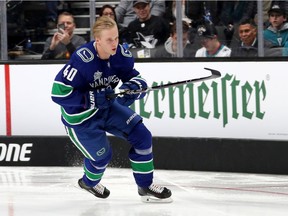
[102, 23]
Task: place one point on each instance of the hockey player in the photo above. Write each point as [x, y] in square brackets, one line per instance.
[82, 88]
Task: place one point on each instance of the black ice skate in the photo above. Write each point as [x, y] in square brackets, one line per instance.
[155, 193]
[99, 190]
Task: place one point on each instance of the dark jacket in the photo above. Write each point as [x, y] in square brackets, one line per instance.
[245, 51]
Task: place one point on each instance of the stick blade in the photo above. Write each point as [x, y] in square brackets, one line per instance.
[215, 73]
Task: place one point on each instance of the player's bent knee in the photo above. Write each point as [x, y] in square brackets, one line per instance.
[104, 158]
[140, 137]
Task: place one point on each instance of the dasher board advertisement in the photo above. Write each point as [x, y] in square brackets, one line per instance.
[248, 101]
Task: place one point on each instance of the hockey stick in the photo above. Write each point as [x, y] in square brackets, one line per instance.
[214, 74]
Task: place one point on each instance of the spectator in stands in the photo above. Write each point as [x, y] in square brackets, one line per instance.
[64, 42]
[108, 10]
[194, 12]
[147, 30]
[202, 11]
[265, 8]
[231, 13]
[248, 46]
[169, 49]
[126, 14]
[171, 11]
[212, 47]
[282, 4]
[52, 13]
[285, 49]
[277, 32]
[53, 8]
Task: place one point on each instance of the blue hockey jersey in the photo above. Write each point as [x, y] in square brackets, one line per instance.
[84, 72]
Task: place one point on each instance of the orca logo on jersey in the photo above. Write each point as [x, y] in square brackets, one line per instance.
[85, 54]
[101, 151]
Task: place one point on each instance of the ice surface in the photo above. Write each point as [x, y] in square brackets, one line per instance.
[43, 191]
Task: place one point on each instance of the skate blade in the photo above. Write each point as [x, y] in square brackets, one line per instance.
[151, 199]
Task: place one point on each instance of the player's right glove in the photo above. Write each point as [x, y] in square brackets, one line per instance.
[98, 98]
[134, 84]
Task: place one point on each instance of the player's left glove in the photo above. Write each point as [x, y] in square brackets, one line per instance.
[135, 83]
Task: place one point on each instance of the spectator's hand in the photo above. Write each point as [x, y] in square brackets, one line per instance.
[128, 99]
[55, 41]
[63, 37]
[99, 98]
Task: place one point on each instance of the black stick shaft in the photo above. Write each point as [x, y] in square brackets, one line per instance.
[214, 74]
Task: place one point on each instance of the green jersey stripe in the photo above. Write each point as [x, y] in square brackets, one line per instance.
[143, 166]
[75, 119]
[61, 90]
[92, 176]
[77, 143]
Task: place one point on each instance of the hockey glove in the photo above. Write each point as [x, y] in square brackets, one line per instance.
[98, 98]
[133, 84]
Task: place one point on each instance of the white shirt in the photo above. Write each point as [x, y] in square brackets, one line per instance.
[223, 51]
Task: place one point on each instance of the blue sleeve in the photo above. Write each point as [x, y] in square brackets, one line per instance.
[68, 90]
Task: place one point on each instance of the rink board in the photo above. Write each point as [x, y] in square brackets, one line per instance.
[227, 155]
[249, 101]
[235, 123]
